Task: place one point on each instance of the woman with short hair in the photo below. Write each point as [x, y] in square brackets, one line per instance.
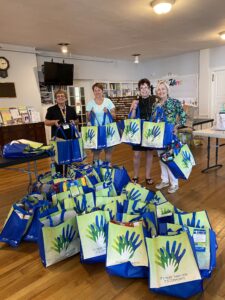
[144, 104]
[100, 105]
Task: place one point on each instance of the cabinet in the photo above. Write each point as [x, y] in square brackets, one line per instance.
[31, 131]
[120, 89]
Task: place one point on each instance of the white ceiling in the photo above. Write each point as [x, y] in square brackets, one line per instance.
[112, 28]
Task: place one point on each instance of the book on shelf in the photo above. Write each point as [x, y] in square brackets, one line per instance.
[14, 113]
[25, 117]
[6, 116]
[34, 116]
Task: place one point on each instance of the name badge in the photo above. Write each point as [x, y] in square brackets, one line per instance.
[66, 126]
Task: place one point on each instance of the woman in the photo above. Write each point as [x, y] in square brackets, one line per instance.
[144, 105]
[174, 114]
[100, 105]
[60, 115]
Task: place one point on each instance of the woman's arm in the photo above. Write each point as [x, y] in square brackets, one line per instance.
[181, 114]
[52, 122]
[113, 113]
[133, 108]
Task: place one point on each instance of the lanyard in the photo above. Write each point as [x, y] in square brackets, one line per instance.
[63, 112]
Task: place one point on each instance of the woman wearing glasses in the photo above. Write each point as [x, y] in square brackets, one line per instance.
[144, 105]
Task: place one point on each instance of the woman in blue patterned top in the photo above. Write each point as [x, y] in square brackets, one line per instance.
[174, 114]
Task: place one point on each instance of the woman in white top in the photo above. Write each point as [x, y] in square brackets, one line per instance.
[100, 105]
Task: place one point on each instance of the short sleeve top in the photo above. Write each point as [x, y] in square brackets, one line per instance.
[99, 109]
[54, 113]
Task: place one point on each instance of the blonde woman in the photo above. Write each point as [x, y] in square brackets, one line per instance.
[174, 114]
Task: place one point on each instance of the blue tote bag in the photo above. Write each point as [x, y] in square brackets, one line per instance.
[16, 225]
[204, 242]
[77, 147]
[180, 160]
[157, 134]
[131, 130]
[62, 148]
[126, 250]
[173, 267]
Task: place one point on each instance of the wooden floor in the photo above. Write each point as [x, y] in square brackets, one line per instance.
[22, 275]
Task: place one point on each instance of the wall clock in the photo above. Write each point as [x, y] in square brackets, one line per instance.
[4, 65]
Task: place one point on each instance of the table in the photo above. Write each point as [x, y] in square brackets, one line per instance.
[211, 133]
[201, 121]
[6, 163]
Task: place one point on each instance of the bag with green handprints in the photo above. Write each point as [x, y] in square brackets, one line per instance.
[157, 134]
[204, 242]
[90, 137]
[101, 202]
[92, 230]
[112, 132]
[118, 175]
[105, 189]
[173, 268]
[180, 162]
[58, 238]
[197, 219]
[126, 250]
[132, 132]
[157, 198]
[136, 192]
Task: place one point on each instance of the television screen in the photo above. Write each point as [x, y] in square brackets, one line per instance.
[58, 74]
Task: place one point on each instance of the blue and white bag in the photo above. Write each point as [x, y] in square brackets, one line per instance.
[173, 268]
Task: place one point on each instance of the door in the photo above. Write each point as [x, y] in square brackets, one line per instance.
[218, 92]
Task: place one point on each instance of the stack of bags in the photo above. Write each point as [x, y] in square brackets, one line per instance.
[136, 232]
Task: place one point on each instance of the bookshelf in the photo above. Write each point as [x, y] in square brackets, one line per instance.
[122, 105]
[120, 89]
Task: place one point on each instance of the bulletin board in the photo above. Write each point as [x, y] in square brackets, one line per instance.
[183, 87]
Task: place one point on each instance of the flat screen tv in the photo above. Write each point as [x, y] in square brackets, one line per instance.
[58, 74]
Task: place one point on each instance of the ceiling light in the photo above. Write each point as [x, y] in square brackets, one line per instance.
[136, 58]
[222, 35]
[64, 47]
[162, 6]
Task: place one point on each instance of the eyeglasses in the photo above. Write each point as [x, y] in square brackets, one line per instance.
[60, 96]
[144, 88]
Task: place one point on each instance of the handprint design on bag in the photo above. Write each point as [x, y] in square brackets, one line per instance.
[62, 242]
[169, 259]
[126, 246]
[97, 232]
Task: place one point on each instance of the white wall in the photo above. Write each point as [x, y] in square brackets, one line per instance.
[90, 68]
[184, 64]
[204, 83]
[23, 72]
[24, 65]
[217, 57]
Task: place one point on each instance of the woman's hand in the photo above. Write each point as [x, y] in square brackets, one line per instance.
[57, 123]
[134, 105]
[175, 129]
[105, 110]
